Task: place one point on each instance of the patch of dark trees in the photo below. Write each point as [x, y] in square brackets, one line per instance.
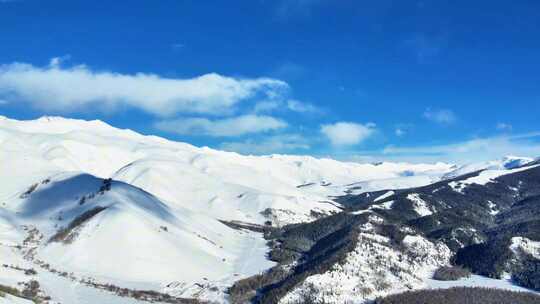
[30, 291]
[314, 247]
[461, 295]
[451, 273]
[68, 234]
[105, 186]
[266, 229]
[26, 271]
[527, 271]
[29, 191]
[464, 220]
[143, 295]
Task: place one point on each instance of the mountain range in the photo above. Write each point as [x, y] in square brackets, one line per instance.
[90, 213]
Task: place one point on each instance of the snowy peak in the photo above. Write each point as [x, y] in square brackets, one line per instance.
[505, 163]
[55, 125]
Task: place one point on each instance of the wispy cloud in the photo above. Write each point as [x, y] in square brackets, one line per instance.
[273, 144]
[504, 127]
[55, 62]
[347, 133]
[302, 107]
[403, 129]
[266, 106]
[227, 127]
[442, 116]
[55, 88]
[400, 132]
[293, 105]
[477, 149]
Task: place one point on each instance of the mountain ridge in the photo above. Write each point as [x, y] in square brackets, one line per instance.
[460, 220]
[70, 187]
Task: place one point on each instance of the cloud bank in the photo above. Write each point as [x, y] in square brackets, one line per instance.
[477, 149]
[54, 88]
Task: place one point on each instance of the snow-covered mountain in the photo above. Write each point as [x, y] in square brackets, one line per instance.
[225, 185]
[159, 226]
[94, 214]
[387, 242]
[507, 162]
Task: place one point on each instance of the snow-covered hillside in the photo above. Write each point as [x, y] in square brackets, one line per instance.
[156, 225]
[506, 163]
[397, 240]
[90, 212]
[112, 232]
[223, 184]
[374, 268]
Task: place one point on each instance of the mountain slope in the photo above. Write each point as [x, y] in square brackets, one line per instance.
[109, 215]
[392, 241]
[507, 162]
[113, 232]
[63, 217]
[287, 188]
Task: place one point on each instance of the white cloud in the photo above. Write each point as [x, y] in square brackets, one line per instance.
[403, 129]
[504, 126]
[478, 149]
[234, 126]
[400, 132]
[273, 144]
[54, 88]
[290, 105]
[442, 116]
[347, 133]
[55, 62]
[302, 107]
[266, 106]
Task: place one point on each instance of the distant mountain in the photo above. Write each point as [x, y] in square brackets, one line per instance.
[507, 162]
[391, 241]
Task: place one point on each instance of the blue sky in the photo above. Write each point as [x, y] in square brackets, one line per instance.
[354, 80]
